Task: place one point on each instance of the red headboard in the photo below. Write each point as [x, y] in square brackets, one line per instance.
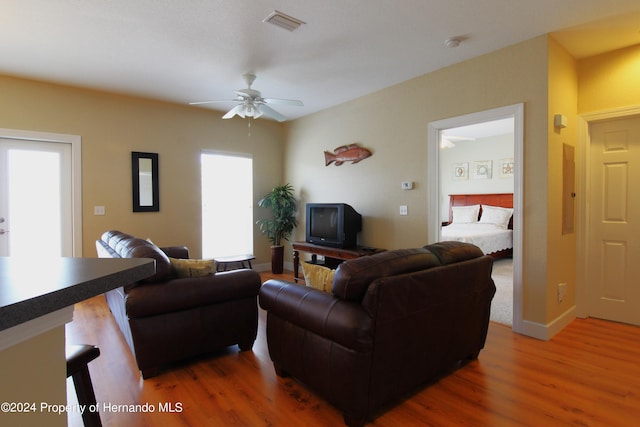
[504, 200]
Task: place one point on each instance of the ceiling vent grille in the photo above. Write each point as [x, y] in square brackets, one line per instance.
[282, 20]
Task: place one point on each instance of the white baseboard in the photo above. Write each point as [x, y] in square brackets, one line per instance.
[546, 331]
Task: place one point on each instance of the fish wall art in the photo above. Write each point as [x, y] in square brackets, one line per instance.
[347, 153]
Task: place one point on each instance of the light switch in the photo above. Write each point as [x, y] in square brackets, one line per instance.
[407, 185]
[404, 210]
[99, 210]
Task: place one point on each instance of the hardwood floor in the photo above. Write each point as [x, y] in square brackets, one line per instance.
[588, 375]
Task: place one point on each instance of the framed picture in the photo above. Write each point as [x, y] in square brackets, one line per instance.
[506, 168]
[460, 171]
[482, 169]
[144, 176]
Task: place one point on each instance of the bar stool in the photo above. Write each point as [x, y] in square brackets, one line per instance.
[78, 357]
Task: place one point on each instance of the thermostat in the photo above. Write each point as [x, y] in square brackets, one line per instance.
[560, 121]
[407, 185]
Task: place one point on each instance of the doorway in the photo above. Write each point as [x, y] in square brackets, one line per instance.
[40, 193]
[435, 130]
[609, 217]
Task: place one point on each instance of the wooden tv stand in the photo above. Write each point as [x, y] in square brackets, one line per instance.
[332, 256]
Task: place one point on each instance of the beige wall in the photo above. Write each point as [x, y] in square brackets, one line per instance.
[111, 126]
[393, 124]
[609, 81]
[561, 250]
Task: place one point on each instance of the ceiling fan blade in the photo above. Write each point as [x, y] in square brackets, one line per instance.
[295, 102]
[211, 102]
[238, 109]
[268, 111]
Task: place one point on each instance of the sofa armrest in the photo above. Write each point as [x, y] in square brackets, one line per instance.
[344, 322]
[186, 293]
[181, 252]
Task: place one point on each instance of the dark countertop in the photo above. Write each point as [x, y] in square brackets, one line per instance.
[34, 287]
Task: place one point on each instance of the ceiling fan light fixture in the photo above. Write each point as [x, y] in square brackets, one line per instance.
[283, 20]
[249, 109]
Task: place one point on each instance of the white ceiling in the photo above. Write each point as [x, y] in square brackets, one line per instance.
[195, 50]
[481, 130]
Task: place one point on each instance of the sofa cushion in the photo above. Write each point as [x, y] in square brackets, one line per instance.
[450, 252]
[193, 267]
[353, 277]
[114, 244]
[140, 248]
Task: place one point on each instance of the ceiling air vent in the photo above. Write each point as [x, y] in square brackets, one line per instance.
[281, 20]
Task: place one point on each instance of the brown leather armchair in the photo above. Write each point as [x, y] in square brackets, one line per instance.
[393, 322]
[165, 319]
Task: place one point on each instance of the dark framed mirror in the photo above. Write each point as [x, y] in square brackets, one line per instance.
[144, 174]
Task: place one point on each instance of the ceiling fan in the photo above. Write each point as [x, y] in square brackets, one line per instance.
[447, 141]
[252, 104]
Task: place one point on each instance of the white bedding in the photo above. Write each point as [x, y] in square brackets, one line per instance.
[488, 237]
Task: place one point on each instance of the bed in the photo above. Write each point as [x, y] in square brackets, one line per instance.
[493, 233]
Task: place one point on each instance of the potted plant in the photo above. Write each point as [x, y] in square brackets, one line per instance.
[282, 203]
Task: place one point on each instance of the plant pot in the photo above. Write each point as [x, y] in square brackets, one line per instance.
[277, 259]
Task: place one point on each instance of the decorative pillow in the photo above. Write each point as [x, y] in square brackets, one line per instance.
[465, 214]
[318, 276]
[496, 215]
[193, 267]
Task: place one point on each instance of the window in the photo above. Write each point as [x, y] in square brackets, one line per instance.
[227, 205]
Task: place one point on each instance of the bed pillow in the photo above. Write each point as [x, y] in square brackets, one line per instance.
[496, 215]
[465, 214]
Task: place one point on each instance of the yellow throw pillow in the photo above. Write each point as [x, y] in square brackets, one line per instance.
[318, 276]
[193, 267]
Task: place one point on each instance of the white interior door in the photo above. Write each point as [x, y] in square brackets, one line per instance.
[614, 220]
[36, 208]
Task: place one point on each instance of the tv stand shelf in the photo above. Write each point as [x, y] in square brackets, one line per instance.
[332, 256]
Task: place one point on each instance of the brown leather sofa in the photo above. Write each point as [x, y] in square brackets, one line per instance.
[165, 319]
[393, 322]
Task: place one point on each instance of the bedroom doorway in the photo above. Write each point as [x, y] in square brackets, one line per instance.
[477, 171]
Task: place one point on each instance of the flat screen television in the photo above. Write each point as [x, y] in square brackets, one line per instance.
[332, 224]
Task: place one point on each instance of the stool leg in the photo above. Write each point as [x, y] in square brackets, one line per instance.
[86, 396]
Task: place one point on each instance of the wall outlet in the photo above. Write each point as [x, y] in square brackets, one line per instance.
[404, 210]
[562, 291]
[99, 210]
